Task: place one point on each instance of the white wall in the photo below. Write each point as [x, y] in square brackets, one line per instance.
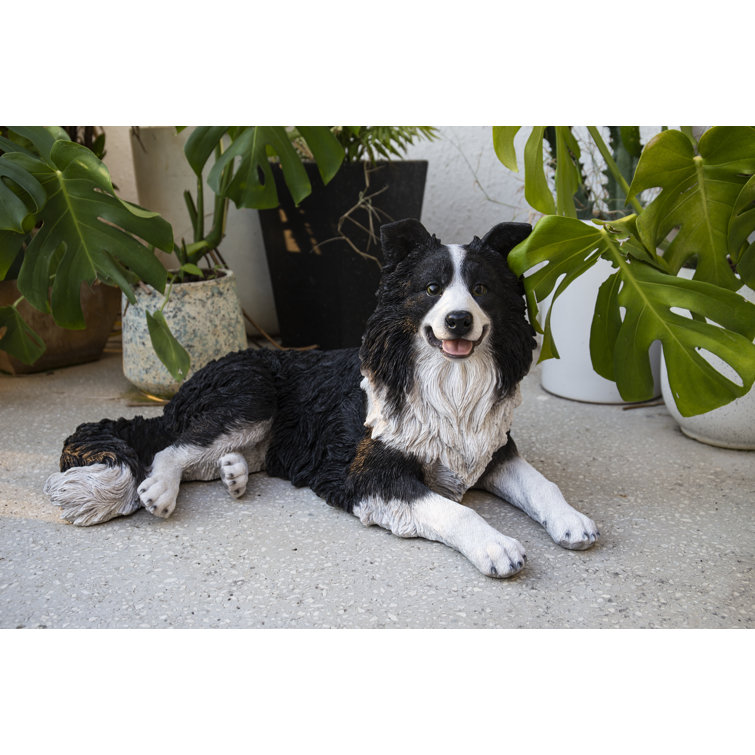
[468, 190]
[119, 161]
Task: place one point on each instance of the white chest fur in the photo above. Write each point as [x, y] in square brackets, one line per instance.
[452, 420]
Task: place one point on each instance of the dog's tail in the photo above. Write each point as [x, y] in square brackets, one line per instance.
[101, 466]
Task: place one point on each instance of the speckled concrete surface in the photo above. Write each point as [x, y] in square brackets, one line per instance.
[675, 518]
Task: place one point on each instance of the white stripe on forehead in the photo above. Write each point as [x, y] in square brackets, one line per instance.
[456, 296]
[457, 253]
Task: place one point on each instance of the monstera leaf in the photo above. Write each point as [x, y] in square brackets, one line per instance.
[84, 231]
[17, 338]
[536, 190]
[247, 149]
[741, 228]
[698, 194]
[636, 307]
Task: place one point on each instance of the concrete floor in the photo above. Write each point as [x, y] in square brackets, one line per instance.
[675, 517]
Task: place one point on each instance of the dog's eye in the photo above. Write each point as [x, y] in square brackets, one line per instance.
[433, 289]
[480, 289]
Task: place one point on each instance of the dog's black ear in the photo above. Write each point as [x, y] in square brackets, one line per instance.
[400, 238]
[505, 236]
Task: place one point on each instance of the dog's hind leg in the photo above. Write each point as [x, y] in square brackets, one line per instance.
[234, 472]
[101, 466]
[228, 456]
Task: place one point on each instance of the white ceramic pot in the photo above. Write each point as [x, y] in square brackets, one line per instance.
[729, 426]
[204, 316]
[572, 375]
[162, 175]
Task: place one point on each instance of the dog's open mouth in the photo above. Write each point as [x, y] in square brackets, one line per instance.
[454, 348]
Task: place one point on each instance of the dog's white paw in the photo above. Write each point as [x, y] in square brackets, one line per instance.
[572, 530]
[158, 495]
[498, 556]
[234, 473]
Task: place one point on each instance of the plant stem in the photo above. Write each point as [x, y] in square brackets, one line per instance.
[199, 227]
[611, 164]
[167, 296]
[204, 244]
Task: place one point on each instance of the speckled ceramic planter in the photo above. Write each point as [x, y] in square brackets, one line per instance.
[204, 316]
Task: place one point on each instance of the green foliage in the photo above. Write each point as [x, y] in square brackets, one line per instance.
[241, 171]
[741, 228]
[60, 210]
[698, 194]
[554, 148]
[647, 292]
[17, 338]
[708, 198]
[373, 143]
[169, 351]
[60, 215]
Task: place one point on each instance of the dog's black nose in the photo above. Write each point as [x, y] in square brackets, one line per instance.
[459, 323]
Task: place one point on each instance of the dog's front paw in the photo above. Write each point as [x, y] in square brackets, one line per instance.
[234, 473]
[572, 530]
[158, 495]
[498, 556]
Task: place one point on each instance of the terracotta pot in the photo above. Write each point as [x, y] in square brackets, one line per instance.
[101, 306]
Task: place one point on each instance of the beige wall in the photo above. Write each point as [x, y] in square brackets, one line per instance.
[119, 162]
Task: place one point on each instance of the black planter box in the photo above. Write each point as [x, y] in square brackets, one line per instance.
[324, 292]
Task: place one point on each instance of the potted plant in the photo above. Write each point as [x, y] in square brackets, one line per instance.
[62, 232]
[100, 304]
[60, 209]
[323, 252]
[704, 211]
[561, 178]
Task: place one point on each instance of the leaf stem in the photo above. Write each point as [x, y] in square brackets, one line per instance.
[167, 296]
[611, 164]
[199, 226]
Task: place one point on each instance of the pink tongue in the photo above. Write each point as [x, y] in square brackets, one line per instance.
[459, 347]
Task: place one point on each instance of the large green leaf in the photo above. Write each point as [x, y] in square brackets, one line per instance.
[649, 296]
[17, 338]
[503, 144]
[326, 150]
[201, 144]
[634, 309]
[18, 208]
[167, 347]
[10, 246]
[697, 195]
[741, 228]
[567, 171]
[86, 232]
[40, 138]
[567, 246]
[537, 191]
[247, 152]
